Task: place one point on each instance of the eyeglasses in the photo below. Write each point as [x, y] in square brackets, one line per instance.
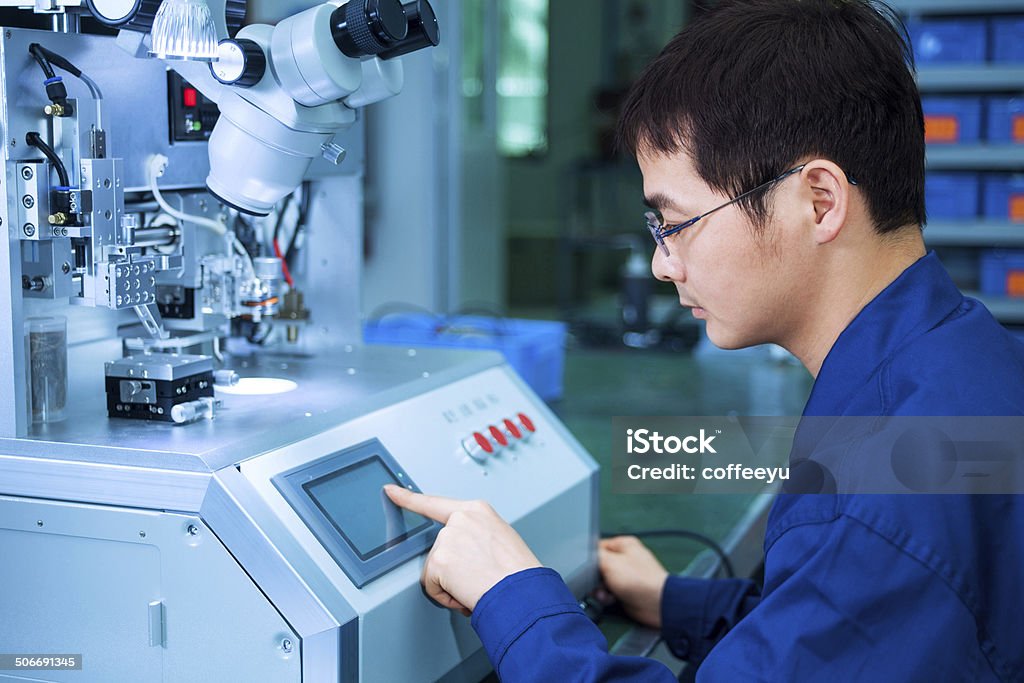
[660, 231]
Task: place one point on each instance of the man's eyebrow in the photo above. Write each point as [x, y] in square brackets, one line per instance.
[660, 202]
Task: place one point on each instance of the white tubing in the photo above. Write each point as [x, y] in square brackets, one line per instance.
[157, 165]
[97, 97]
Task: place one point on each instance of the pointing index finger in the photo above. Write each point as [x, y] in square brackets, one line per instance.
[437, 508]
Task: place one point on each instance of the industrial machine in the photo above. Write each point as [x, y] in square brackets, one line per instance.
[192, 439]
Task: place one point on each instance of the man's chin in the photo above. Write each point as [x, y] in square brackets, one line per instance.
[728, 341]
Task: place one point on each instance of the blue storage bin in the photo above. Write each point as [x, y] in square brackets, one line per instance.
[952, 119]
[1006, 120]
[1008, 39]
[1002, 272]
[1004, 198]
[534, 348]
[952, 196]
[938, 41]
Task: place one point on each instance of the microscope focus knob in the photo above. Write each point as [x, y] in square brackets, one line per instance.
[423, 30]
[240, 62]
[363, 28]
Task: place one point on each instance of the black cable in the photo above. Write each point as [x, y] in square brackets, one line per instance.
[280, 216]
[37, 51]
[56, 91]
[34, 139]
[246, 234]
[254, 336]
[55, 59]
[55, 88]
[300, 223]
[730, 571]
[304, 204]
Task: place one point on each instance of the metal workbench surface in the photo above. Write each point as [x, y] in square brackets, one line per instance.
[332, 389]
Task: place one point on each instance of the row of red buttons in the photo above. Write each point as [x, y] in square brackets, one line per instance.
[479, 446]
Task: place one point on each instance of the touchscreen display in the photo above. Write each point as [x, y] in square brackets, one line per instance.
[353, 500]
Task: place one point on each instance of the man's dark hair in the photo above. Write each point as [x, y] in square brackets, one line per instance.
[752, 86]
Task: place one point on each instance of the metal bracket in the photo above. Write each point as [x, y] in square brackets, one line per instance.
[151, 320]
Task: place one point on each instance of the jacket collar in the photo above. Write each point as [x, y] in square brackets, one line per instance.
[915, 302]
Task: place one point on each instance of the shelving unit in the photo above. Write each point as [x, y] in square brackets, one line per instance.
[1007, 310]
[984, 79]
[976, 158]
[944, 7]
[992, 77]
[988, 233]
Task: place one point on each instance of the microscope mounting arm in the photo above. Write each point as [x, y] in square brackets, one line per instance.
[284, 91]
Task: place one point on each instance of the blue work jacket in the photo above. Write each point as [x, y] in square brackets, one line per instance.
[857, 587]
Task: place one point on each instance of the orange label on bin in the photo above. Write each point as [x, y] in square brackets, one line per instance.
[1017, 208]
[1018, 128]
[1015, 283]
[941, 129]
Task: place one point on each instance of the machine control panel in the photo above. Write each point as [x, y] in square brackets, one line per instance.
[544, 486]
[340, 498]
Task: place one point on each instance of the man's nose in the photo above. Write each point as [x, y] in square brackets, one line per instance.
[667, 268]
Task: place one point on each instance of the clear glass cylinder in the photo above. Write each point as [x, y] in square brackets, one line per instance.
[47, 346]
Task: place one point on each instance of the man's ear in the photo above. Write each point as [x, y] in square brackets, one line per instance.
[830, 194]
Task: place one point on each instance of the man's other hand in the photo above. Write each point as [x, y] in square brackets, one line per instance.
[634, 575]
[475, 550]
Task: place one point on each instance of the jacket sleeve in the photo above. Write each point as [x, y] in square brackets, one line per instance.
[534, 630]
[697, 613]
[842, 602]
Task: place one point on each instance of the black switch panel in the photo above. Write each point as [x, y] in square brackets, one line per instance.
[191, 114]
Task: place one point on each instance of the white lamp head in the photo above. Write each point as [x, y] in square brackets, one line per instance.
[184, 29]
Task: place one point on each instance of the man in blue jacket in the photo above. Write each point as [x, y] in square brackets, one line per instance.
[782, 149]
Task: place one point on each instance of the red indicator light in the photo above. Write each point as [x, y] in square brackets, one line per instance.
[484, 443]
[498, 436]
[527, 422]
[190, 97]
[511, 426]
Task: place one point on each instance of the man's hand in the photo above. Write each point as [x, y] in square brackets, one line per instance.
[634, 575]
[475, 550]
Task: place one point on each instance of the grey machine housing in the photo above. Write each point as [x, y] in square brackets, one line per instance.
[162, 552]
[171, 552]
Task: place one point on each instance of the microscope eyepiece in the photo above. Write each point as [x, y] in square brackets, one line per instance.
[423, 30]
[364, 28]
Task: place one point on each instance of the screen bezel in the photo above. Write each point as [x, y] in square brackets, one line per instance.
[377, 550]
[360, 569]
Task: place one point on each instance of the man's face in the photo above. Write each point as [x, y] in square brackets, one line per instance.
[746, 286]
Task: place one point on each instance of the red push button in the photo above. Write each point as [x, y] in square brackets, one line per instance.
[527, 422]
[484, 442]
[498, 435]
[513, 429]
[474, 449]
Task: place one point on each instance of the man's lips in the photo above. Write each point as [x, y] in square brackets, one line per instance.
[697, 311]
